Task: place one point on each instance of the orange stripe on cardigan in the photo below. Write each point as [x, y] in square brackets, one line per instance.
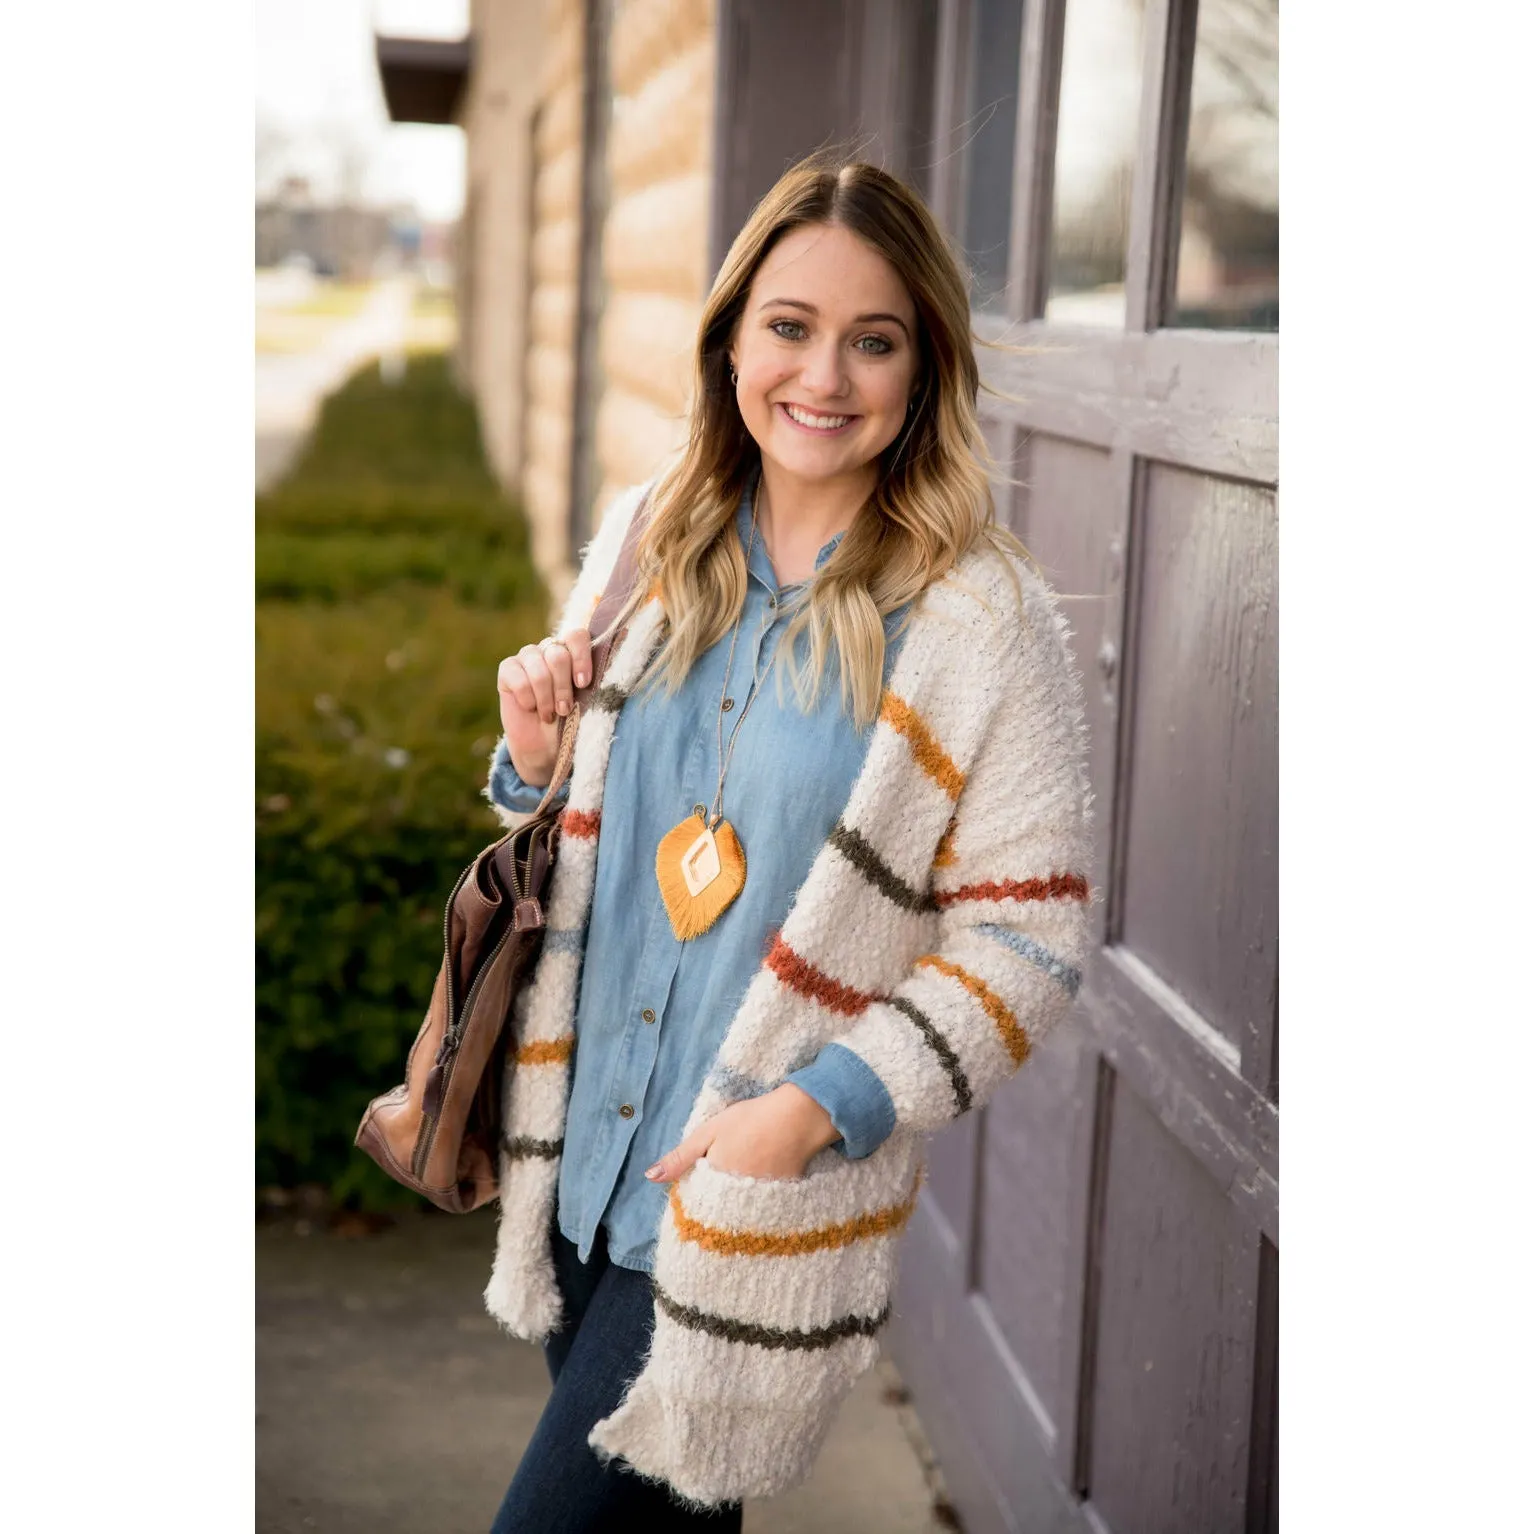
[925, 747]
[582, 823]
[945, 856]
[546, 1051]
[1012, 1035]
[791, 1243]
[1055, 887]
[800, 975]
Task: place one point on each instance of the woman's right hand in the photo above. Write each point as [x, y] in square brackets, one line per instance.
[537, 688]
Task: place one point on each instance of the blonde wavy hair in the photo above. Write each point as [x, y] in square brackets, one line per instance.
[931, 504]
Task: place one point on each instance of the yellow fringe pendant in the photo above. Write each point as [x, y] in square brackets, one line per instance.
[700, 872]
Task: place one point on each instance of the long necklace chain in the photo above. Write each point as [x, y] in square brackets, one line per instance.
[716, 814]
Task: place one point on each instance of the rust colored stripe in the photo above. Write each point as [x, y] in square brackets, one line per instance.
[802, 976]
[546, 1051]
[1011, 1031]
[945, 856]
[929, 754]
[582, 823]
[790, 1243]
[1055, 887]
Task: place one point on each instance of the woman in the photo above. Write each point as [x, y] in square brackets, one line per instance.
[822, 880]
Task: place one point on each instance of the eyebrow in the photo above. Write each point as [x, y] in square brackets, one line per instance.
[859, 319]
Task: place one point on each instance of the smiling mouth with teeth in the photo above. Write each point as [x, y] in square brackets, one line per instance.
[813, 422]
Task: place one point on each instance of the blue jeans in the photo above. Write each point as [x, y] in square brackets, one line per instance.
[561, 1487]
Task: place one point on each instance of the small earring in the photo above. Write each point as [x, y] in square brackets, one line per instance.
[734, 376]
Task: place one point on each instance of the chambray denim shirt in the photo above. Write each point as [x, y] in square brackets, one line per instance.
[652, 1010]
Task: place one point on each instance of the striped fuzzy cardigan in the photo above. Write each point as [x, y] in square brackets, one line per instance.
[939, 934]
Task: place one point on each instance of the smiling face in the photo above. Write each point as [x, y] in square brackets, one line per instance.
[826, 355]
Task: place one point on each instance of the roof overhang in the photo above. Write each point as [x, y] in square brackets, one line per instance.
[423, 78]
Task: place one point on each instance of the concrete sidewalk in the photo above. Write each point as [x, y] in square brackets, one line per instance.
[388, 1402]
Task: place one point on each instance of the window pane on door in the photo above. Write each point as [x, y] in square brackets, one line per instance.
[1100, 73]
[996, 47]
[1227, 257]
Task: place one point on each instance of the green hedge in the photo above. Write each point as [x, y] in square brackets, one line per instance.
[392, 576]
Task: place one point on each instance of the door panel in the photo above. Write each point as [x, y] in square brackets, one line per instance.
[950, 1185]
[1200, 873]
[1171, 1397]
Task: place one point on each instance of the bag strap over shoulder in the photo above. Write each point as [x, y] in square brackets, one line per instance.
[615, 596]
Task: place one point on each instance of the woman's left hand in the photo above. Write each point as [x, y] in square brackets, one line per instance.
[770, 1136]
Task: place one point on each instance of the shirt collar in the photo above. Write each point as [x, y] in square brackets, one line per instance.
[761, 565]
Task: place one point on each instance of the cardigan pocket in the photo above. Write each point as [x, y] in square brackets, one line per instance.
[791, 1276]
[769, 1297]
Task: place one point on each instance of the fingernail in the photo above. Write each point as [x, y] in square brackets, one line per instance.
[564, 707]
[654, 1171]
[580, 678]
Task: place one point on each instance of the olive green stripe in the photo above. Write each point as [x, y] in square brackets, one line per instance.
[858, 851]
[769, 1336]
[525, 1147]
[939, 1046]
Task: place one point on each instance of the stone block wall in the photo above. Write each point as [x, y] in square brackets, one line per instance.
[519, 276]
[655, 234]
[495, 244]
[554, 270]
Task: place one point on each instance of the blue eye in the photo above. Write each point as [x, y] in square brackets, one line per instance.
[776, 327]
[882, 347]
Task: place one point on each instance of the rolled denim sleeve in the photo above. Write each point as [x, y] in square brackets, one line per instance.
[849, 1090]
[509, 791]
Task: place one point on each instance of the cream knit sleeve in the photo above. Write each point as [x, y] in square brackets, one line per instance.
[1010, 884]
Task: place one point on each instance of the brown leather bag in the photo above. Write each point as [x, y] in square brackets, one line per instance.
[439, 1132]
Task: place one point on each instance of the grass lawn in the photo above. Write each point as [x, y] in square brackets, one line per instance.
[431, 302]
[280, 334]
[340, 299]
[303, 325]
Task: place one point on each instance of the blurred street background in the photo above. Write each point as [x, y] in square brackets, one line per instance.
[483, 236]
[311, 334]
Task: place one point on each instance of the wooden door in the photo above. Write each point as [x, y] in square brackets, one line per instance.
[1087, 1315]
[1088, 1307]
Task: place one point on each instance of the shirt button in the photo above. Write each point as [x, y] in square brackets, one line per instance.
[648, 1014]
[626, 1111]
[772, 601]
[728, 704]
[701, 811]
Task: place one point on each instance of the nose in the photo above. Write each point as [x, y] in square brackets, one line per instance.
[823, 373]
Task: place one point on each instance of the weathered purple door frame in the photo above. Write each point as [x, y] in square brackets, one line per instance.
[1145, 402]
